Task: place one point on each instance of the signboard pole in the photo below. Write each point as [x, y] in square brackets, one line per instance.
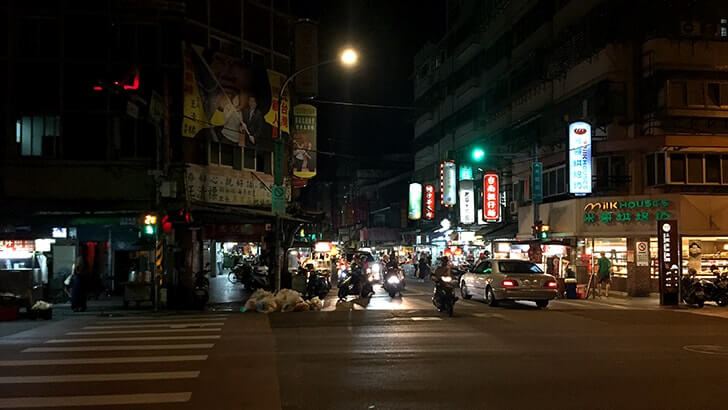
[536, 188]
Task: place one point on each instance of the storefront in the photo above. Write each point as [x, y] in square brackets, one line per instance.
[625, 228]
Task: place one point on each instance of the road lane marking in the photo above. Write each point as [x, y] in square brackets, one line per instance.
[422, 318]
[94, 400]
[171, 326]
[95, 377]
[120, 332]
[166, 317]
[104, 360]
[117, 348]
[133, 339]
[160, 322]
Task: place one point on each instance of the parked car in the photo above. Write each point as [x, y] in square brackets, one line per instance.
[508, 279]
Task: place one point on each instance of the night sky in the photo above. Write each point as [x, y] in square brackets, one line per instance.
[387, 35]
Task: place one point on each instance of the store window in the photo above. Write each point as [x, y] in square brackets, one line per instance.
[615, 249]
[705, 254]
[34, 133]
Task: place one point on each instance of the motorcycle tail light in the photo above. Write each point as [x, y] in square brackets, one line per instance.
[508, 283]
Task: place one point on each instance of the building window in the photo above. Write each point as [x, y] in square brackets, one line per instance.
[712, 169]
[33, 133]
[695, 169]
[554, 181]
[677, 168]
[222, 154]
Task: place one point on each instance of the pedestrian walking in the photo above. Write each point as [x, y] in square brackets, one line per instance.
[604, 270]
[78, 285]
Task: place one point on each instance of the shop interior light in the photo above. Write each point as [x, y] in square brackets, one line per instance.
[725, 247]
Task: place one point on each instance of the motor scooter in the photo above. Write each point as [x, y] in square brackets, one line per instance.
[356, 282]
[444, 295]
[393, 282]
[691, 290]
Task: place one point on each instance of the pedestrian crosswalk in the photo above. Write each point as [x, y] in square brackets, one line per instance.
[134, 361]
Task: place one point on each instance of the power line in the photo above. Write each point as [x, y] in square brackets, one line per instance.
[362, 105]
[327, 153]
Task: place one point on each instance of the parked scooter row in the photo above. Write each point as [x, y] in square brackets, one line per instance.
[695, 291]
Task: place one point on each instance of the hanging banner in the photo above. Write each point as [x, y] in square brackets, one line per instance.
[304, 141]
[224, 101]
[467, 202]
[448, 181]
[491, 194]
[276, 80]
[415, 201]
[580, 158]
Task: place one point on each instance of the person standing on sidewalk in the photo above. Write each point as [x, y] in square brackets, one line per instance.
[604, 274]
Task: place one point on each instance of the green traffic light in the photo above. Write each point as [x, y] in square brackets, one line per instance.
[149, 229]
[478, 154]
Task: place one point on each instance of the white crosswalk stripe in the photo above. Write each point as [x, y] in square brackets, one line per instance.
[110, 346]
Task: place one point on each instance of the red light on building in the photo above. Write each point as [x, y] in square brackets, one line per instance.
[491, 194]
[429, 202]
[98, 88]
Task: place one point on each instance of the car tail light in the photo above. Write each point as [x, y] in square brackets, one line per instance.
[509, 283]
[551, 284]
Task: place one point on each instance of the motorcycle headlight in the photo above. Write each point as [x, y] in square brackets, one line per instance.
[369, 270]
[371, 278]
[393, 280]
[446, 279]
[376, 268]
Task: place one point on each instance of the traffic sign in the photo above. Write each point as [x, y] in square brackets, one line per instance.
[537, 182]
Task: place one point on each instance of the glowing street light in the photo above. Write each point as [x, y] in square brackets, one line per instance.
[349, 57]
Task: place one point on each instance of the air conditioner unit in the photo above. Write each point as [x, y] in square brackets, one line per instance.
[513, 207]
[690, 28]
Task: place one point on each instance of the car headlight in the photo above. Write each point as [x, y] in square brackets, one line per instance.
[446, 279]
[393, 280]
[376, 268]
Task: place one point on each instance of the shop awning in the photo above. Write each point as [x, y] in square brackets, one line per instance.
[235, 212]
[506, 230]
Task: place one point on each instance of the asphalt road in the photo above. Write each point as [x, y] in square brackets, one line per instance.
[402, 354]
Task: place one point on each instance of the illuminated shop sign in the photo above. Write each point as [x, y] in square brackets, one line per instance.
[466, 172]
[429, 210]
[467, 202]
[415, 201]
[644, 210]
[448, 181]
[580, 158]
[491, 193]
[668, 250]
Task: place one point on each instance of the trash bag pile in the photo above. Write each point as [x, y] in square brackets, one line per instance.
[285, 300]
[41, 305]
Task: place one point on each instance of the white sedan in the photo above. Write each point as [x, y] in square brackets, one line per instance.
[508, 279]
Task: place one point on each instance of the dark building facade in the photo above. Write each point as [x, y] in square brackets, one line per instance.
[99, 103]
[648, 76]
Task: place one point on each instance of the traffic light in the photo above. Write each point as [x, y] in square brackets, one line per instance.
[477, 154]
[541, 231]
[150, 224]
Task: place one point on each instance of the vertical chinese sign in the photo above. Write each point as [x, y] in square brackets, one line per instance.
[415, 201]
[304, 141]
[429, 202]
[467, 202]
[580, 161]
[448, 181]
[276, 80]
[491, 193]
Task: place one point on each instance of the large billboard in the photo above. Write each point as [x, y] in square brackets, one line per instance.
[228, 102]
[580, 158]
[448, 182]
[304, 141]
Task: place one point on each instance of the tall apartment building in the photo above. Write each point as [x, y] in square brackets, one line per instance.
[112, 110]
[650, 79]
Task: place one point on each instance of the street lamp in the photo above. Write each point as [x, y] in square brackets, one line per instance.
[348, 58]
